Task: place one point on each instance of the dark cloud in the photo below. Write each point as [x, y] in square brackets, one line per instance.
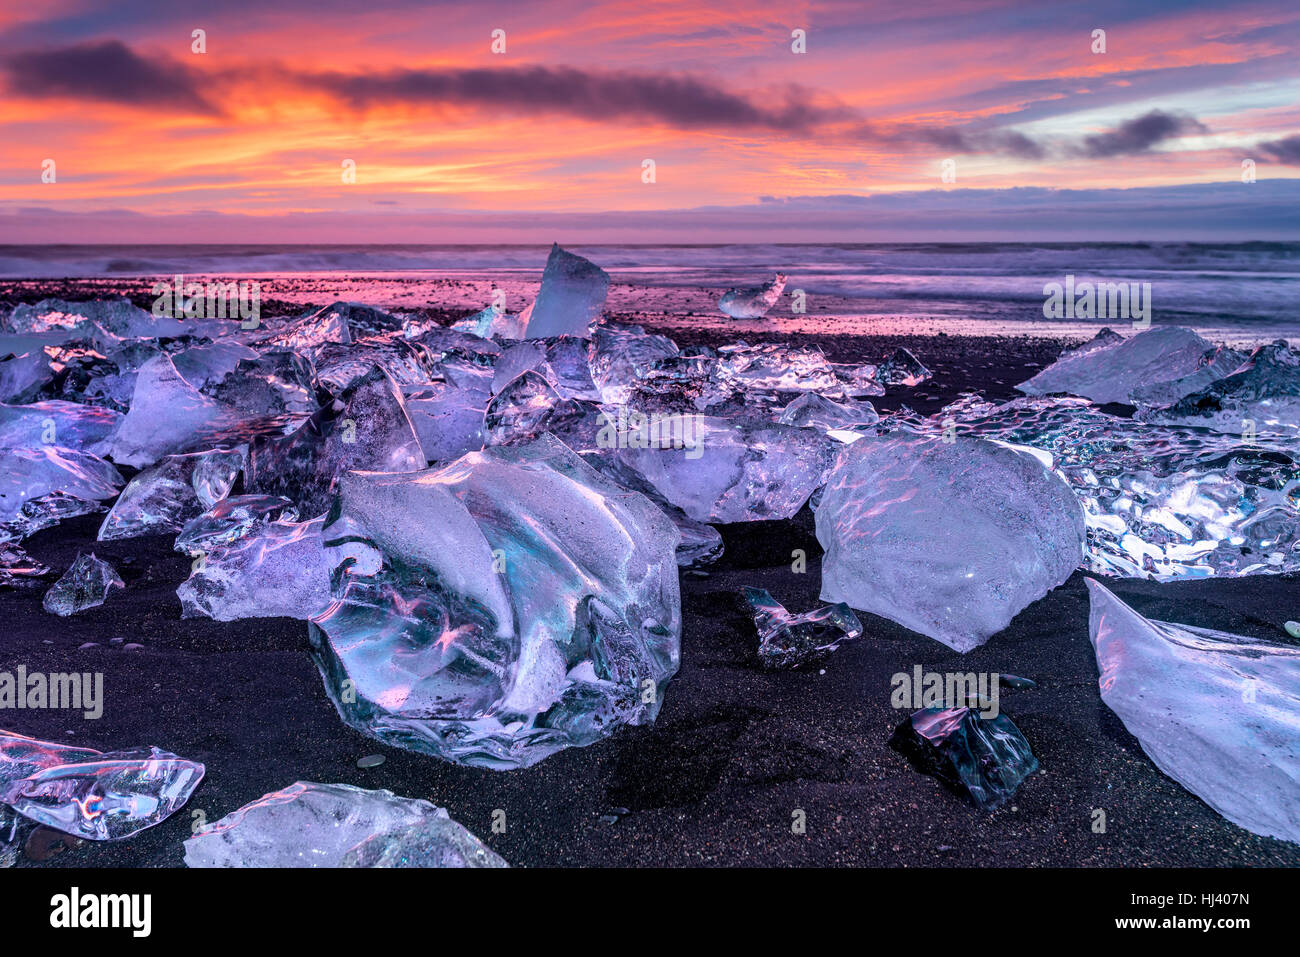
[104, 72]
[1000, 142]
[684, 101]
[1286, 151]
[1138, 134]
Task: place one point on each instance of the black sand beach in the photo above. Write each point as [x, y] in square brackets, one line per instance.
[735, 752]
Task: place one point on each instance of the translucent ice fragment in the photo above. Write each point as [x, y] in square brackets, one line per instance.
[70, 425]
[902, 368]
[337, 825]
[231, 519]
[1219, 713]
[98, 796]
[165, 496]
[17, 567]
[815, 411]
[983, 759]
[621, 355]
[85, 585]
[571, 297]
[752, 302]
[447, 420]
[366, 428]
[788, 641]
[950, 539]
[721, 470]
[525, 604]
[28, 476]
[1112, 373]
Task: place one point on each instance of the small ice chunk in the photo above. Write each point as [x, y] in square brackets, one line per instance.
[1217, 712]
[164, 496]
[949, 538]
[817, 412]
[98, 796]
[788, 641]
[30, 476]
[902, 368]
[85, 585]
[17, 567]
[571, 297]
[752, 302]
[983, 759]
[337, 825]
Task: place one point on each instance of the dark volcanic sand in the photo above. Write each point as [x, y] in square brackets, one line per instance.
[735, 751]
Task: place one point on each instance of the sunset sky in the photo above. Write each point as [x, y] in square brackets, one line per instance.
[751, 141]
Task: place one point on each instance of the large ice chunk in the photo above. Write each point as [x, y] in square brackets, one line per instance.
[99, 796]
[1219, 713]
[752, 302]
[337, 825]
[1114, 372]
[525, 604]
[70, 425]
[571, 298]
[951, 539]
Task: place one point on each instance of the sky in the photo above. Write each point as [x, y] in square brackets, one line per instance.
[647, 121]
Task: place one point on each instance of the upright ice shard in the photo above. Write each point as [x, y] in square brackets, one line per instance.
[950, 539]
[1219, 713]
[788, 641]
[337, 825]
[983, 759]
[99, 796]
[572, 295]
[1114, 372]
[525, 604]
[165, 496]
[84, 585]
[752, 302]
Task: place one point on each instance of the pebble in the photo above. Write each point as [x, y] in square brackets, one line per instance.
[371, 761]
[1015, 681]
[1293, 628]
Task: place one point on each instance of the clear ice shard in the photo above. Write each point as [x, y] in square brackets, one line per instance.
[983, 759]
[99, 796]
[775, 367]
[902, 368]
[165, 496]
[525, 604]
[367, 427]
[1114, 372]
[562, 362]
[621, 355]
[752, 302]
[722, 470]
[571, 297]
[1160, 501]
[448, 420]
[1262, 395]
[30, 477]
[337, 825]
[951, 539]
[813, 411]
[84, 585]
[276, 569]
[1219, 713]
[788, 641]
[168, 415]
[230, 520]
[69, 425]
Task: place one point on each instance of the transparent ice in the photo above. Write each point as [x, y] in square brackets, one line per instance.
[337, 825]
[950, 539]
[571, 297]
[788, 641]
[86, 584]
[1219, 713]
[752, 302]
[231, 519]
[983, 759]
[163, 497]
